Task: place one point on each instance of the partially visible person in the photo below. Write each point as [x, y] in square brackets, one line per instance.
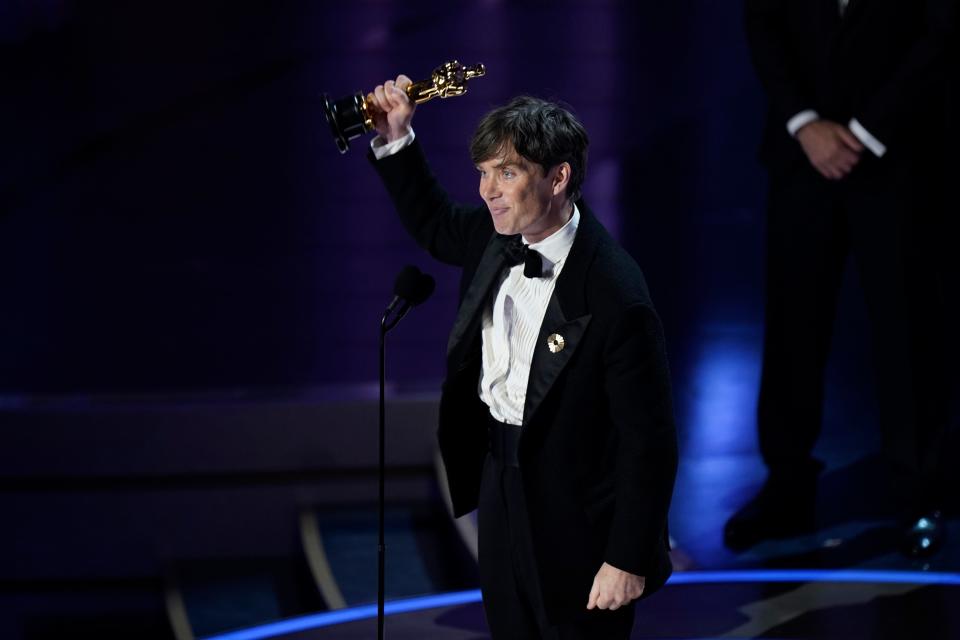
[854, 145]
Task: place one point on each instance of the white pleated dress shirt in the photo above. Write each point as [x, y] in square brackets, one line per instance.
[511, 325]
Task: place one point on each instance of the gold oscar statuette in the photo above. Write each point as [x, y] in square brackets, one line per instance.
[352, 116]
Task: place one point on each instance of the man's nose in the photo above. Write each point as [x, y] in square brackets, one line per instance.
[489, 190]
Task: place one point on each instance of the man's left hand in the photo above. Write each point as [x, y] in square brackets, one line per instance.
[613, 588]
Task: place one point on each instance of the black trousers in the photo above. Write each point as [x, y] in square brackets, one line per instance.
[883, 216]
[508, 575]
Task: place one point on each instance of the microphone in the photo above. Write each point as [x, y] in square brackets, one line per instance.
[412, 287]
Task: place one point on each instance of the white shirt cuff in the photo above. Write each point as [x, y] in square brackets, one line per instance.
[801, 120]
[864, 136]
[381, 148]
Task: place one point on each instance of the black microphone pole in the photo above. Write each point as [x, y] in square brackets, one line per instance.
[381, 546]
[412, 288]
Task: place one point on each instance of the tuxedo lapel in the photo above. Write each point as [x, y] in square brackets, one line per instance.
[549, 362]
[471, 307]
[566, 315]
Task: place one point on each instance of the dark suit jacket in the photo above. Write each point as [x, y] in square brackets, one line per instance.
[884, 63]
[598, 449]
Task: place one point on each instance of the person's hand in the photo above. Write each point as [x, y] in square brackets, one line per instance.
[392, 110]
[614, 588]
[830, 147]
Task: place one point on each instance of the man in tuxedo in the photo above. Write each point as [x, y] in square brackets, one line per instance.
[853, 145]
[556, 417]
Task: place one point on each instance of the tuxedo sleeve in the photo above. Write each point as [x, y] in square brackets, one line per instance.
[641, 406]
[775, 62]
[439, 225]
[920, 77]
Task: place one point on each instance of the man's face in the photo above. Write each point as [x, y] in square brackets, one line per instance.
[520, 195]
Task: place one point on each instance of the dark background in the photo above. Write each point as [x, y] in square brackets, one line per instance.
[192, 277]
[175, 215]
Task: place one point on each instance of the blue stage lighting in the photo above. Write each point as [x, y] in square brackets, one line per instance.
[759, 576]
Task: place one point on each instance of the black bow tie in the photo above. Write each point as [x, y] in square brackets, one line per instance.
[517, 252]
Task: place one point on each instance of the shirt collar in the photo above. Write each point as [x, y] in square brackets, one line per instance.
[556, 246]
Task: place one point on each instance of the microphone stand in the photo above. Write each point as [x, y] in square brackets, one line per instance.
[385, 325]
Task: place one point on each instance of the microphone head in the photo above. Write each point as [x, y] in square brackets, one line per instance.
[407, 282]
[425, 288]
[413, 286]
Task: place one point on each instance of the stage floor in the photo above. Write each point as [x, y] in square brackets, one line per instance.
[697, 605]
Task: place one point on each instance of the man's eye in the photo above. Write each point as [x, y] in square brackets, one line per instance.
[507, 173]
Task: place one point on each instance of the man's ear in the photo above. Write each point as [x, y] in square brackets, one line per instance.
[561, 177]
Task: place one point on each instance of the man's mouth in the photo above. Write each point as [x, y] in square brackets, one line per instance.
[498, 211]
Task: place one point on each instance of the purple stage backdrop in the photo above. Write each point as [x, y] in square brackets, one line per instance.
[174, 214]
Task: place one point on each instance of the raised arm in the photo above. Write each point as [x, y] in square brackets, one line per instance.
[439, 225]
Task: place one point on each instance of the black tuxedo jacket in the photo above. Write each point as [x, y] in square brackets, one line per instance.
[598, 449]
[884, 62]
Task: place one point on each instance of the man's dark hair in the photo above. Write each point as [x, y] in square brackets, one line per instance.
[540, 131]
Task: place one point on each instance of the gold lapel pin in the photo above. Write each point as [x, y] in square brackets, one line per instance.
[556, 343]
